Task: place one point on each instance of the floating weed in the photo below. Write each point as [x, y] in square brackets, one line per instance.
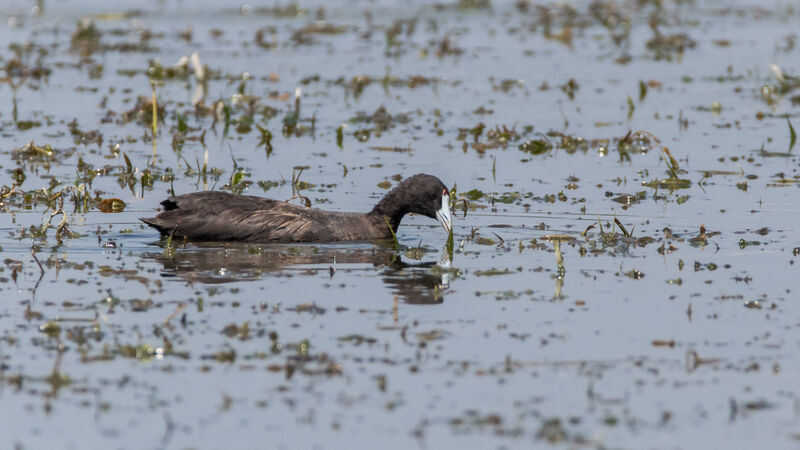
[636, 142]
[32, 154]
[86, 37]
[357, 339]
[381, 120]
[51, 329]
[23, 125]
[745, 243]
[701, 240]
[304, 35]
[786, 84]
[157, 71]
[634, 274]
[446, 47]
[145, 111]
[792, 135]
[242, 332]
[570, 87]
[768, 154]
[673, 181]
[362, 135]
[668, 46]
[392, 149]
[536, 146]
[84, 137]
[416, 253]
[111, 205]
[626, 200]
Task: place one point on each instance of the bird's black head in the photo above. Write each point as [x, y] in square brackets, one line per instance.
[421, 194]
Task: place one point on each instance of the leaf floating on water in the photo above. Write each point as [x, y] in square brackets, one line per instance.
[635, 274]
[357, 339]
[51, 328]
[558, 237]
[626, 199]
[485, 241]
[536, 146]
[668, 183]
[492, 272]
[752, 304]
[110, 205]
[307, 307]
[392, 149]
[415, 253]
[792, 135]
[474, 194]
[433, 335]
[744, 244]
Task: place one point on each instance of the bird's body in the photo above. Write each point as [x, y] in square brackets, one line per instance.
[220, 216]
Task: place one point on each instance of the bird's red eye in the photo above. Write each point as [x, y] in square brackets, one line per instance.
[445, 192]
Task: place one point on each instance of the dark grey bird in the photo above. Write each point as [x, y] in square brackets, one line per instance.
[220, 216]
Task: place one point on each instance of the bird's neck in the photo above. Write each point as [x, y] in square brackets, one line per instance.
[393, 208]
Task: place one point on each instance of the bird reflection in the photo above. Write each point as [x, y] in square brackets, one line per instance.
[416, 283]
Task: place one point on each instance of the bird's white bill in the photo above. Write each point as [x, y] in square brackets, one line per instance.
[443, 214]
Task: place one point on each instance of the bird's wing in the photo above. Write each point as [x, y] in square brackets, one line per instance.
[224, 217]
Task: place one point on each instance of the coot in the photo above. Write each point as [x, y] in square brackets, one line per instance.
[219, 216]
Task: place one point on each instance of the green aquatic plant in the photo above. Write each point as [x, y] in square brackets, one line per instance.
[673, 181]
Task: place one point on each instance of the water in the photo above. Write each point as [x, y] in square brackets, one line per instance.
[674, 336]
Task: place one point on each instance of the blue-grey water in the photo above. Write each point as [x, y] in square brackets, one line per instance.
[550, 326]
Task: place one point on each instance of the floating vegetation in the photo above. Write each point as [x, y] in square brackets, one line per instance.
[111, 205]
[668, 46]
[381, 120]
[305, 35]
[536, 146]
[673, 181]
[86, 38]
[145, 112]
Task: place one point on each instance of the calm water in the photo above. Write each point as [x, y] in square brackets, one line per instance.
[550, 326]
